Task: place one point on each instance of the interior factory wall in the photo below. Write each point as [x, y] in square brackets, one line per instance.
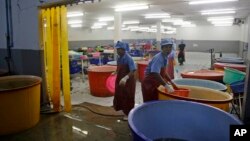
[200, 38]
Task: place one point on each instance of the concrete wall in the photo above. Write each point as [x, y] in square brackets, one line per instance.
[25, 37]
[201, 38]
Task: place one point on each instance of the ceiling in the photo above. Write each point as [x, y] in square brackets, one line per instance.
[176, 8]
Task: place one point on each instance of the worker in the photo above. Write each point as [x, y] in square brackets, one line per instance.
[181, 54]
[124, 98]
[156, 74]
[171, 60]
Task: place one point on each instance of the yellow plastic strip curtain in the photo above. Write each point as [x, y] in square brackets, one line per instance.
[55, 28]
[49, 54]
[55, 43]
[65, 60]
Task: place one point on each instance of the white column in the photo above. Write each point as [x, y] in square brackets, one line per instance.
[248, 37]
[117, 30]
[158, 35]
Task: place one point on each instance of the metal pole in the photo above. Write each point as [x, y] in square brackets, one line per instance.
[9, 34]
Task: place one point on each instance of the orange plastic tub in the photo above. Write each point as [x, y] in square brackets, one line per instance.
[208, 96]
[220, 66]
[204, 74]
[141, 65]
[97, 80]
[19, 103]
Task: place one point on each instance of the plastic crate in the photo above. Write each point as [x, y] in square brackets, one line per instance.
[94, 61]
[233, 75]
[76, 69]
[237, 87]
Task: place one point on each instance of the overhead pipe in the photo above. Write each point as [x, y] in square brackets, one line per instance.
[9, 34]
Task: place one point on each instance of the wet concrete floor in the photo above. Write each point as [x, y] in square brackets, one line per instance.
[79, 125]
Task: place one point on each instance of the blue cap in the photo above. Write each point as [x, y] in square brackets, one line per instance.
[120, 44]
[166, 42]
[123, 45]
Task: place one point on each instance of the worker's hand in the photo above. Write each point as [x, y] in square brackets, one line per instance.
[113, 73]
[123, 80]
[169, 88]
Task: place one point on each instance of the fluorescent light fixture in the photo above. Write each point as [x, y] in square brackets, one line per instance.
[218, 11]
[209, 1]
[131, 22]
[104, 19]
[222, 22]
[74, 14]
[156, 17]
[170, 32]
[171, 20]
[131, 7]
[76, 25]
[152, 30]
[159, 15]
[125, 28]
[132, 27]
[100, 24]
[182, 23]
[110, 28]
[74, 22]
[189, 25]
[96, 27]
[220, 18]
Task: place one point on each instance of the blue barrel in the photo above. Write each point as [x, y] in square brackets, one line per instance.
[201, 83]
[180, 120]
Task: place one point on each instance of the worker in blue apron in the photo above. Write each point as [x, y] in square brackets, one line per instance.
[156, 74]
[124, 98]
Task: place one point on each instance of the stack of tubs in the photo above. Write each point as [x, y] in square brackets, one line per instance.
[232, 60]
[19, 103]
[221, 66]
[204, 74]
[180, 120]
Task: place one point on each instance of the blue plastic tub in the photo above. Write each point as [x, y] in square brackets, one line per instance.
[177, 119]
[201, 83]
[237, 87]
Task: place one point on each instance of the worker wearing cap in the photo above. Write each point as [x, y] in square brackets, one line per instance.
[125, 81]
[155, 73]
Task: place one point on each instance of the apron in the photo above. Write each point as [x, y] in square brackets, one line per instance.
[124, 98]
[150, 84]
[170, 67]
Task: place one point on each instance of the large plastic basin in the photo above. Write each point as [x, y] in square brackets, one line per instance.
[204, 74]
[141, 65]
[233, 60]
[19, 103]
[177, 119]
[97, 80]
[203, 95]
[221, 66]
[201, 83]
[233, 75]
